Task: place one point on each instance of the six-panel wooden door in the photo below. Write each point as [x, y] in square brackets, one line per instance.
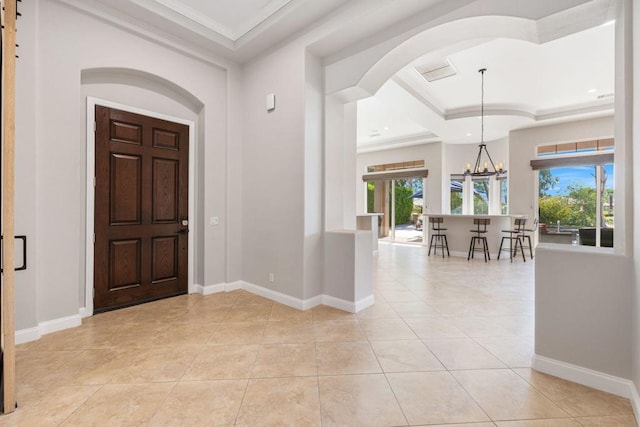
[141, 209]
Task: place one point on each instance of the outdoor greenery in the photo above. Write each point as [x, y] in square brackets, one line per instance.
[576, 207]
[481, 197]
[546, 182]
[456, 202]
[504, 194]
[404, 203]
[370, 188]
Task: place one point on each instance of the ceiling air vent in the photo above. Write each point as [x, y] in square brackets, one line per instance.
[605, 96]
[433, 72]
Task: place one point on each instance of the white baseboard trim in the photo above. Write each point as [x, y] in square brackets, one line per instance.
[635, 401]
[297, 303]
[309, 303]
[209, 289]
[59, 324]
[364, 303]
[43, 328]
[344, 305]
[274, 295]
[340, 304]
[590, 378]
[233, 286]
[26, 335]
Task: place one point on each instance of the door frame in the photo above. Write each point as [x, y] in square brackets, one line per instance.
[87, 310]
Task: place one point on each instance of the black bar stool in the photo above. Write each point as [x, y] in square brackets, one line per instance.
[514, 234]
[526, 234]
[480, 231]
[436, 233]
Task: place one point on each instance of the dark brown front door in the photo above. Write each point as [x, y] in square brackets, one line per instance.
[141, 205]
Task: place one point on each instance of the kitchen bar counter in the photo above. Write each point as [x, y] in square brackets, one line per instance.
[459, 232]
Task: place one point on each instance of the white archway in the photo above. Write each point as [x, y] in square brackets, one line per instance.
[165, 100]
[362, 74]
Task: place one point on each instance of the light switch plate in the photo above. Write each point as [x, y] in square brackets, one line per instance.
[271, 101]
[214, 220]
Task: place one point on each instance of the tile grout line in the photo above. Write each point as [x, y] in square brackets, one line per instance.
[246, 387]
[81, 405]
[384, 373]
[175, 384]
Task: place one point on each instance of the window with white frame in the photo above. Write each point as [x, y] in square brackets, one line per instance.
[576, 193]
[478, 195]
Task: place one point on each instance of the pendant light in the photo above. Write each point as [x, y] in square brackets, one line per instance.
[481, 167]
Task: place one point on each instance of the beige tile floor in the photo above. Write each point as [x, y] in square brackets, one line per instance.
[448, 342]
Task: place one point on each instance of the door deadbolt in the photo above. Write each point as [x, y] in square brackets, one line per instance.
[184, 222]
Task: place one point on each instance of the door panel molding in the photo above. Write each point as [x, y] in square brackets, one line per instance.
[125, 275]
[131, 192]
[127, 137]
[128, 177]
[164, 181]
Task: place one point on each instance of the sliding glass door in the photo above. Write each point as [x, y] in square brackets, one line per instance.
[400, 202]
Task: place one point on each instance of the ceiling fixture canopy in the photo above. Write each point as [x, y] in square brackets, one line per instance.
[481, 167]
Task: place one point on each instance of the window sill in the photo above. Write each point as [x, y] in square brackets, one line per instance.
[559, 247]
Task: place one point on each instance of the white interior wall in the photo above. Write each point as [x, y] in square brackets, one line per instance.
[431, 153]
[313, 156]
[273, 171]
[583, 308]
[339, 150]
[635, 191]
[349, 154]
[234, 164]
[25, 180]
[62, 53]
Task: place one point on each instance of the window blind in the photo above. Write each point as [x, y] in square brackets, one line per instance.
[396, 174]
[558, 162]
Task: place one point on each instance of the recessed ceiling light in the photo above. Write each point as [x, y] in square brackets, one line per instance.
[386, 128]
[469, 134]
[592, 90]
[613, 21]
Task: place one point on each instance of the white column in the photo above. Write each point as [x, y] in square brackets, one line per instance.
[425, 209]
[494, 196]
[393, 210]
[467, 196]
[598, 203]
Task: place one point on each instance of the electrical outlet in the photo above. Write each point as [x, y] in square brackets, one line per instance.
[271, 277]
